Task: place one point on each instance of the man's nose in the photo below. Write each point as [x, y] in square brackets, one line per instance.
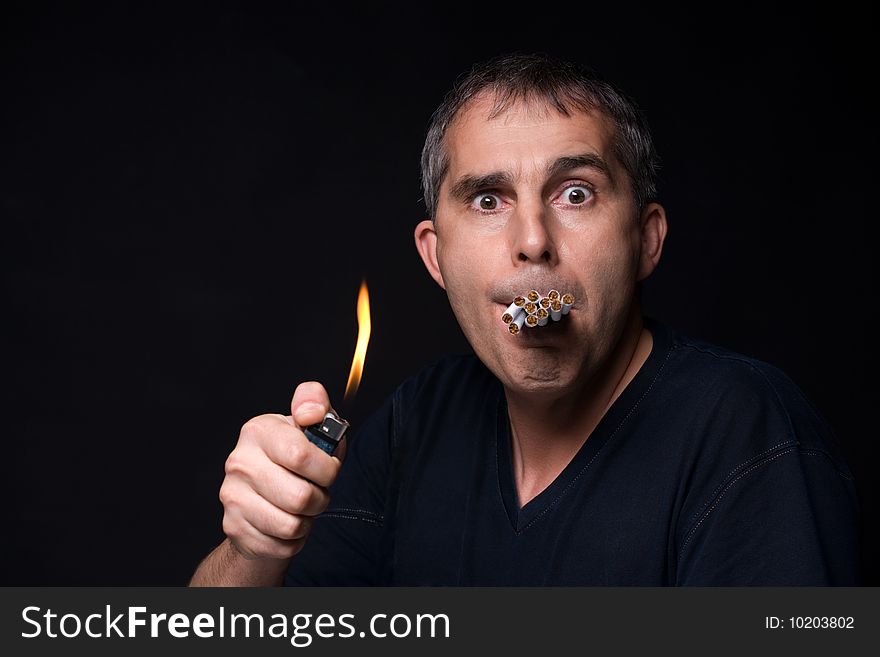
[531, 237]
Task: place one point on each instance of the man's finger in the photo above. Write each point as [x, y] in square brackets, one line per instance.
[294, 451]
[290, 492]
[254, 544]
[271, 521]
[309, 404]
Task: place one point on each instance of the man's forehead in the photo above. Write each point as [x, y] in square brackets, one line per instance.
[526, 133]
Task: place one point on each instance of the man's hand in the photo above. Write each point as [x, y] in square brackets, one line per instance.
[276, 483]
[276, 480]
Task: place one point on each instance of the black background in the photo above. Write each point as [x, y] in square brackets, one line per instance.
[191, 195]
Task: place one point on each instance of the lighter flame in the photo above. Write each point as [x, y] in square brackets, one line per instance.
[360, 351]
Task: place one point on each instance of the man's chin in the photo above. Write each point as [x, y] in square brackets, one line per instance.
[538, 377]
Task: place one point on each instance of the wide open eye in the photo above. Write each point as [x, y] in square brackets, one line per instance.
[576, 194]
[486, 202]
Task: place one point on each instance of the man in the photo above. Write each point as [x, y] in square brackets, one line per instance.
[602, 449]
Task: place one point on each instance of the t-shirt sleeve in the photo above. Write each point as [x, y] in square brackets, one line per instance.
[787, 518]
[345, 545]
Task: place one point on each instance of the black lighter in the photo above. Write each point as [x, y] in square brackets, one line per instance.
[328, 433]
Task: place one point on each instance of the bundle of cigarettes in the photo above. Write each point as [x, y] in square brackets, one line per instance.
[534, 310]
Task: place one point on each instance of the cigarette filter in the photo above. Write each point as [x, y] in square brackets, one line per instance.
[517, 323]
[328, 433]
[512, 311]
[542, 316]
[535, 310]
[567, 300]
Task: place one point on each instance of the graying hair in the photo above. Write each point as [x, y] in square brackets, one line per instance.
[565, 86]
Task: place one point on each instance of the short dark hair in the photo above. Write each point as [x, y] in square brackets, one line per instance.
[565, 86]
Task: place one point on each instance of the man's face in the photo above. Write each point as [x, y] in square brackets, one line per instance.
[534, 199]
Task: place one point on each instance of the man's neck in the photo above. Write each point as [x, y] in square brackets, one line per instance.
[547, 433]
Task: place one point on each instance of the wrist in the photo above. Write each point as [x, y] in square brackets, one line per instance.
[251, 570]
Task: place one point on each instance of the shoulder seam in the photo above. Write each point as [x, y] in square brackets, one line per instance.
[792, 436]
[729, 484]
[818, 452]
[748, 462]
[753, 365]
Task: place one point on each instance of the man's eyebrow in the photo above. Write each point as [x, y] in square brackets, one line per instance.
[466, 187]
[589, 160]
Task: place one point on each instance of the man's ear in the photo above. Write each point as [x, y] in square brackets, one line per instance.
[426, 244]
[653, 233]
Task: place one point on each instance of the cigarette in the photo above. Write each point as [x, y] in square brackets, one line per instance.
[516, 324]
[511, 312]
[567, 300]
[535, 310]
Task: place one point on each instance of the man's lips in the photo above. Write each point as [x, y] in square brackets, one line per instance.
[527, 333]
[504, 306]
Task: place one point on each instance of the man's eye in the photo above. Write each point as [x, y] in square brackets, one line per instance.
[487, 202]
[576, 194]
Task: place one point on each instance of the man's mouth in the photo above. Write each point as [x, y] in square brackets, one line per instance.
[533, 314]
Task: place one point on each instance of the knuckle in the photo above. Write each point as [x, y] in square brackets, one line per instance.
[298, 453]
[231, 528]
[285, 550]
[322, 504]
[296, 546]
[299, 496]
[248, 429]
[254, 428]
[305, 526]
[291, 525]
[233, 463]
[227, 495]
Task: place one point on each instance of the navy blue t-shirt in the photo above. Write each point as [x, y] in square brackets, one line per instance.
[710, 469]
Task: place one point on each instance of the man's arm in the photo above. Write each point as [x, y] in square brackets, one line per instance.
[276, 484]
[226, 566]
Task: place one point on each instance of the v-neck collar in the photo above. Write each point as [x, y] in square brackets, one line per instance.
[543, 503]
